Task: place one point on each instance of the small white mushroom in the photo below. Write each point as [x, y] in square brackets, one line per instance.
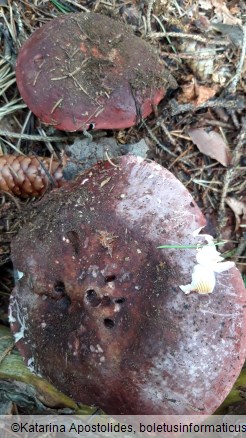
[209, 261]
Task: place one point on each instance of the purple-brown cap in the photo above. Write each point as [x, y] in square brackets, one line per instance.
[88, 69]
[98, 308]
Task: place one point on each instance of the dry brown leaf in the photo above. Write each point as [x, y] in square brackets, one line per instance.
[223, 14]
[239, 209]
[197, 94]
[211, 144]
[205, 93]
[235, 10]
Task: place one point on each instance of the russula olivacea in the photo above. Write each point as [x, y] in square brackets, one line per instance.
[98, 309]
[86, 70]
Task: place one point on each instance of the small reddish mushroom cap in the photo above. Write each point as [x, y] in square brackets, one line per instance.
[86, 68]
[98, 309]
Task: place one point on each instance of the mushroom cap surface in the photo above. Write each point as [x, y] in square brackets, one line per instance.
[98, 309]
[85, 69]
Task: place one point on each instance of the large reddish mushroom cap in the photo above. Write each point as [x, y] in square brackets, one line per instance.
[98, 309]
[86, 68]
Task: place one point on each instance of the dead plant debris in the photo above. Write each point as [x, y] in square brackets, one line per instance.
[212, 144]
[107, 239]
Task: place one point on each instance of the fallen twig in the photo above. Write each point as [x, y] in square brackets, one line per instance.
[233, 85]
[176, 108]
[232, 173]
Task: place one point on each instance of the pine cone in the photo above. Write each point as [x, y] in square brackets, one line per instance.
[29, 176]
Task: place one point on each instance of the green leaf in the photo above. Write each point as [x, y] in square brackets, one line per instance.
[60, 7]
[190, 246]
